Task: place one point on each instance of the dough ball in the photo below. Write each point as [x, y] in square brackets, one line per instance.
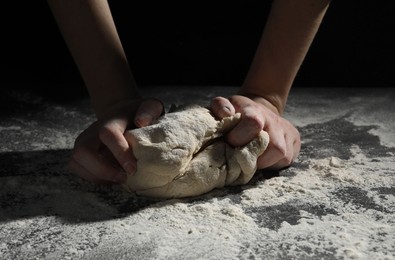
[184, 154]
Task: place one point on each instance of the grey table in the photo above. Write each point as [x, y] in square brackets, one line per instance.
[337, 201]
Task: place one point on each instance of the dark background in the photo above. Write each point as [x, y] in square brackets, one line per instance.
[201, 43]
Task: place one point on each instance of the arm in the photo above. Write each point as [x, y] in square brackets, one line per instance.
[101, 153]
[289, 32]
[91, 36]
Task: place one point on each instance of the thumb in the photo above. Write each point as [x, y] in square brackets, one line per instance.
[148, 111]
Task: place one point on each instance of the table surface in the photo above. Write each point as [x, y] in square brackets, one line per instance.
[337, 201]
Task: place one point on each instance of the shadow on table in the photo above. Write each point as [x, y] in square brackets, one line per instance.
[38, 183]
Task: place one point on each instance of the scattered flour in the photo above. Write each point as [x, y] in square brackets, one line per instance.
[330, 208]
[217, 228]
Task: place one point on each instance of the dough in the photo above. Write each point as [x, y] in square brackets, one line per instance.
[184, 154]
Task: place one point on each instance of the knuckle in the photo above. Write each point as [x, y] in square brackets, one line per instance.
[217, 102]
[233, 98]
[236, 102]
[288, 160]
[281, 150]
[254, 121]
[106, 133]
[218, 99]
[285, 155]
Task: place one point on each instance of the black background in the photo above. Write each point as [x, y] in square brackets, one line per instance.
[202, 43]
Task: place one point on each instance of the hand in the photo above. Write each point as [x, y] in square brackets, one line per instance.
[256, 114]
[101, 153]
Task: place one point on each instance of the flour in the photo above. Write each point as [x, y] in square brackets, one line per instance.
[331, 207]
[216, 228]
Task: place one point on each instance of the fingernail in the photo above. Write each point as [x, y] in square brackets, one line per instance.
[129, 167]
[144, 119]
[224, 111]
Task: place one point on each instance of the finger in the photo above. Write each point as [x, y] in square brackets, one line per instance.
[112, 136]
[86, 136]
[293, 149]
[221, 107]
[275, 151]
[288, 155]
[240, 102]
[148, 111]
[293, 142]
[77, 169]
[97, 166]
[248, 128]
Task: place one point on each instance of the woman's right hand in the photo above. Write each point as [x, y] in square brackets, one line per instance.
[101, 153]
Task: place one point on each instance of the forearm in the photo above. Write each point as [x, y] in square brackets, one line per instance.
[288, 34]
[91, 36]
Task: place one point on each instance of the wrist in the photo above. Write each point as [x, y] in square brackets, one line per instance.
[103, 101]
[102, 110]
[272, 102]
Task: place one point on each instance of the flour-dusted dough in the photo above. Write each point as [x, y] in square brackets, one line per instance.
[184, 154]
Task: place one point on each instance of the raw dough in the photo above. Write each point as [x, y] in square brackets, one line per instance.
[184, 154]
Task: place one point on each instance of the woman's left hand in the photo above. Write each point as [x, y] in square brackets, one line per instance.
[259, 114]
